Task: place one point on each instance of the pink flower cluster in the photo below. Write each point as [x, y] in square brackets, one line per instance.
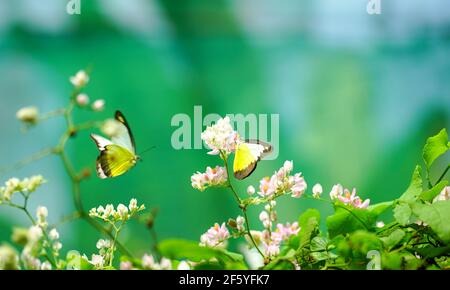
[282, 181]
[211, 177]
[272, 241]
[347, 198]
[220, 137]
[216, 236]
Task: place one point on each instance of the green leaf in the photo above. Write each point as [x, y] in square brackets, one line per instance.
[309, 223]
[182, 249]
[76, 262]
[282, 262]
[429, 195]
[356, 246]
[437, 216]
[319, 244]
[347, 219]
[435, 147]
[415, 187]
[303, 220]
[402, 213]
[393, 239]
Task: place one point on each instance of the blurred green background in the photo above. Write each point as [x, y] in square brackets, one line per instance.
[357, 95]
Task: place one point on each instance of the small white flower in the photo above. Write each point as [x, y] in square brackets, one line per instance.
[133, 205]
[380, 224]
[28, 114]
[109, 210]
[32, 183]
[148, 262]
[220, 137]
[240, 223]
[265, 219]
[251, 190]
[183, 266]
[46, 266]
[288, 166]
[98, 105]
[57, 246]
[165, 264]
[53, 234]
[103, 244]
[336, 191]
[41, 214]
[82, 100]
[98, 261]
[35, 233]
[122, 210]
[80, 79]
[317, 190]
[126, 265]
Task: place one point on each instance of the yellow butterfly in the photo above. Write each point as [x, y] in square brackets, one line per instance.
[117, 155]
[247, 156]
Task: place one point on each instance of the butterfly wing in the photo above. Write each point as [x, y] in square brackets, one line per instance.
[114, 160]
[124, 137]
[247, 156]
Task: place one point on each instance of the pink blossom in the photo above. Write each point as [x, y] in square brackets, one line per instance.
[286, 231]
[216, 175]
[265, 218]
[267, 186]
[336, 191]
[352, 199]
[298, 185]
[215, 236]
[272, 249]
[220, 137]
[212, 177]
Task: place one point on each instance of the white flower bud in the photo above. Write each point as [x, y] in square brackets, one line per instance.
[80, 79]
[98, 105]
[123, 211]
[28, 115]
[251, 190]
[82, 100]
[53, 234]
[317, 190]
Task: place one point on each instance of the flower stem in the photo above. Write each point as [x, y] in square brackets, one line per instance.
[241, 206]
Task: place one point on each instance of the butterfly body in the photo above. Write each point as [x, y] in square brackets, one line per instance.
[247, 156]
[117, 155]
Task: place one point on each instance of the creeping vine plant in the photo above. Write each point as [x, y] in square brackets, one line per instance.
[417, 235]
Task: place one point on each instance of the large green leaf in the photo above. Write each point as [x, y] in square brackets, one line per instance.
[393, 239]
[182, 249]
[437, 216]
[309, 223]
[415, 187]
[402, 213]
[347, 219]
[435, 147]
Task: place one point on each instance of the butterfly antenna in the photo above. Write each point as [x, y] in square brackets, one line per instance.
[146, 150]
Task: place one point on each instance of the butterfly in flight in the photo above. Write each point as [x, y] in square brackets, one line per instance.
[117, 155]
[247, 155]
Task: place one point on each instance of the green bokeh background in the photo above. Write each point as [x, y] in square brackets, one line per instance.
[357, 95]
